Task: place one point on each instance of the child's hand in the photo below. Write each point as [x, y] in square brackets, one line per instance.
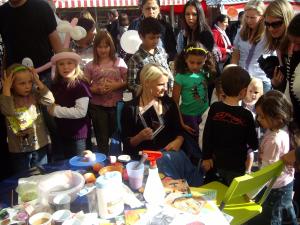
[289, 158]
[207, 164]
[189, 129]
[111, 85]
[146, 134]
[7, 82]
[277, 77]
[174, 145]
[35, 76]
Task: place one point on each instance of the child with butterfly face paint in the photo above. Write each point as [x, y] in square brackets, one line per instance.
[193, 68]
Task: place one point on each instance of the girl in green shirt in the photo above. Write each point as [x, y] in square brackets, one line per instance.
[193, 68]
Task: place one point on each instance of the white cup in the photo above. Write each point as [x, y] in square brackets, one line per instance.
[62, 201]
[72, 222]
[135, 175]
[41, 218]
[61, 216]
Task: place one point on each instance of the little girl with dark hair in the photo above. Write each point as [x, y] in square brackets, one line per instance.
[193, 67]
[274, 113]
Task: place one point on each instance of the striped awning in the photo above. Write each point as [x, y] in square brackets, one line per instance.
[108, 3]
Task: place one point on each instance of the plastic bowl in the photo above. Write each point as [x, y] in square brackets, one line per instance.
[60, 183]
[111, 168]
[27, 192]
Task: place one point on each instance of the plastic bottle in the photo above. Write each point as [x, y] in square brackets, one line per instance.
[154, 192]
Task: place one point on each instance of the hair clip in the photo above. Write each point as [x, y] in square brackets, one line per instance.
[197, 49]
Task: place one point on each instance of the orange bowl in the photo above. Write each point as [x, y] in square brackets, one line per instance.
[111, 168]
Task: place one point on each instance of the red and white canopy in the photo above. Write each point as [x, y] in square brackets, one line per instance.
[108, 3]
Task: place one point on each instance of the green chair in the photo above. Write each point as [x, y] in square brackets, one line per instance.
[233, 199]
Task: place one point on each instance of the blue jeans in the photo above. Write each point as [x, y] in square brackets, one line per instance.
[278, 208]
[71, 147]
[26, 160]
[177, 165]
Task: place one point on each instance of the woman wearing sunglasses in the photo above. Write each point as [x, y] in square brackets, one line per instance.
[250, 43]
[278, 15]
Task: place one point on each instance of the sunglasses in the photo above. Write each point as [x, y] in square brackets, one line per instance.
[274, 25]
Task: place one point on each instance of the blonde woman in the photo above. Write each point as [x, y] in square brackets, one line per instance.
[278, 15]
[136, 136]
[249, 43]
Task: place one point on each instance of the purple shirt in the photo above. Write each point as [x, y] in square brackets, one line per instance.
[66, 96]
[116, 71]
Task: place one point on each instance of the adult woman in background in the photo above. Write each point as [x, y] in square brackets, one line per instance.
[278, 15]
[249, 43]
[136, 137]
[221, 39]
[195, 27]
[151, 8]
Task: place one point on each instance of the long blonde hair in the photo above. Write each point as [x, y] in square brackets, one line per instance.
[247, 34]
[78, 75]
[283, 10]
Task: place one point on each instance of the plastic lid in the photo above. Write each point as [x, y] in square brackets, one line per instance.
[108, 178]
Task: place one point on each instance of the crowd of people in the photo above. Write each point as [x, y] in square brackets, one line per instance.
[229, 96]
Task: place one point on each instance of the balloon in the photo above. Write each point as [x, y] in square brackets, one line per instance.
[77, 33]
[63, 26]
[68, 36]
[43, 67]
[27, 62]
[130, 41]
[71, 30]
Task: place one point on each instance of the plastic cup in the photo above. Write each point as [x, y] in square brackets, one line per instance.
[61, 201]
[135, 176]
[72, 222]
[41, 218]
[60, 216]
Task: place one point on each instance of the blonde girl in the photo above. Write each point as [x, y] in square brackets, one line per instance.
[249, 43]
[72, 95]
[274, 113]
[20, 103]
[107, 75]
[254, 92]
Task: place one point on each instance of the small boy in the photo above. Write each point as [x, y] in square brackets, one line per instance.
[149, 52]
[229, 130]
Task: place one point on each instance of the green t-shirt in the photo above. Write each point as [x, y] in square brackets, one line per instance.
[194, 94]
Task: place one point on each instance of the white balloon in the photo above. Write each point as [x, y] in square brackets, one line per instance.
[130, 41]
[77, 33]
[27, 62]
[64, 26]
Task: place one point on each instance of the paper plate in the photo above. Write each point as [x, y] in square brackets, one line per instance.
[76, 160]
